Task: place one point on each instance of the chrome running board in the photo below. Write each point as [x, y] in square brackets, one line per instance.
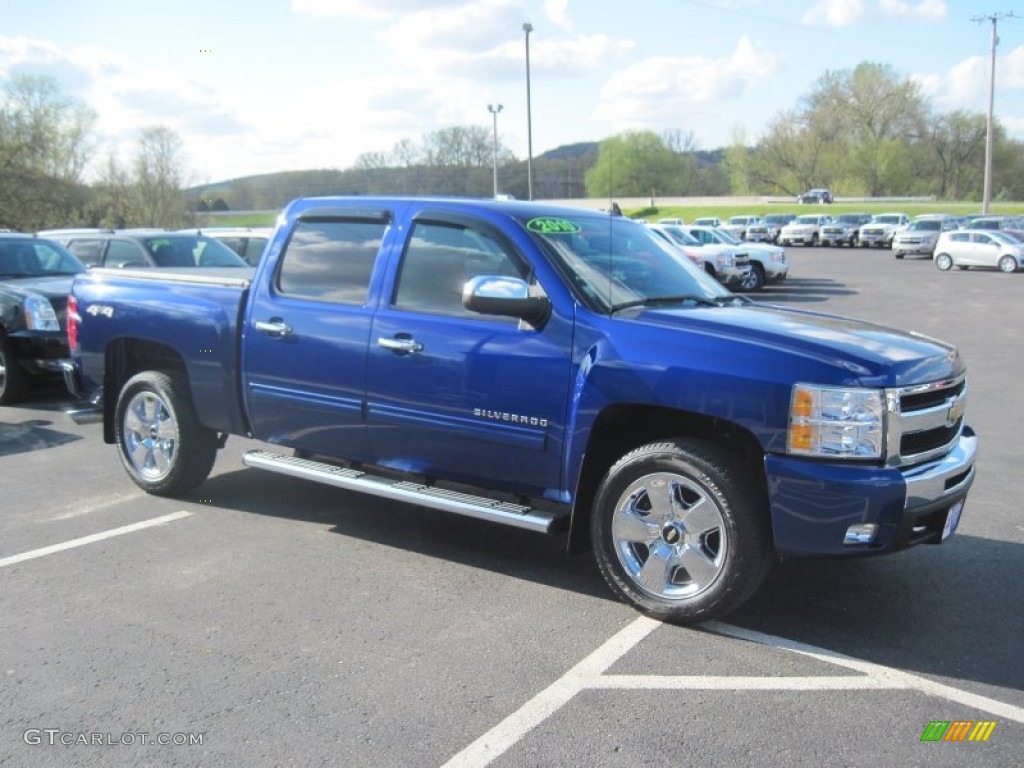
[480, 507]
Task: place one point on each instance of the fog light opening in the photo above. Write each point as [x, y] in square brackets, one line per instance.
[863, 533]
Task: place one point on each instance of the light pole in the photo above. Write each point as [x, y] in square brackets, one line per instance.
[494, 109]
[528, 28]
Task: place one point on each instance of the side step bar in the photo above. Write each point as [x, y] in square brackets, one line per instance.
[480, 507]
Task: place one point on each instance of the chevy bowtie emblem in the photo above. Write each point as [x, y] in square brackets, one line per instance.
[955, 412]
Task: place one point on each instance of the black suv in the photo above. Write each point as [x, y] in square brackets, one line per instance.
[35, 279]
[815, 196]
[148, 248]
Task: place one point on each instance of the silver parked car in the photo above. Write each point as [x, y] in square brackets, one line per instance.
[921, 236]
[965, 248]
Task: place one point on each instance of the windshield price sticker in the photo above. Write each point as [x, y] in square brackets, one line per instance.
[547, 225]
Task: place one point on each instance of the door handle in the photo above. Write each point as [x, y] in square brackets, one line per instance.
[400, 345]
[273, 327]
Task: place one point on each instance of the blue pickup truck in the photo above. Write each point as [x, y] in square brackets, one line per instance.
[545, 367]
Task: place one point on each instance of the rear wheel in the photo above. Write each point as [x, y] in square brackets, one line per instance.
[164, 448]
[13, 380]
[1007, 264]
[680, 531]
[944, 261]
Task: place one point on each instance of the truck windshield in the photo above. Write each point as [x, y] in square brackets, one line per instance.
[613, 262]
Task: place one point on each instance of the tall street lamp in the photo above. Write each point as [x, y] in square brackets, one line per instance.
[494, 109]
[528, 28]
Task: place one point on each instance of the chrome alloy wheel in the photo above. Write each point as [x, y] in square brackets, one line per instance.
[150, 435]
[669, 536]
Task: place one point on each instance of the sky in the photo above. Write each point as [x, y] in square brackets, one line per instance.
[274, 85]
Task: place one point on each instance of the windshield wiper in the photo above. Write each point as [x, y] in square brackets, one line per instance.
[656, 300]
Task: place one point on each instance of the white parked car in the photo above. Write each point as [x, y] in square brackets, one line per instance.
[920, 238]
[722, 262]
[737, 226]
[965, 248]
[882, 229]
[708, 221]
[767, 262]
[803, 230]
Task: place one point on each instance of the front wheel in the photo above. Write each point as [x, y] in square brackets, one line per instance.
[680, 531]
[754, 280]
[944, 261]
[164, 448]
[1007, 264]
[13, 380]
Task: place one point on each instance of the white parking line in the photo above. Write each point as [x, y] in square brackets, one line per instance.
[31, 555]
[899, 678]
[589, 674]
[510, 730]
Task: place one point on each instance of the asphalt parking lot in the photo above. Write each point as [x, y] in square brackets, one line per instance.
[268, 621]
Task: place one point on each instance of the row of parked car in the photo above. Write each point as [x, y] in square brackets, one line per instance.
[132, 248]
[36, 271]
[734, 262]
[951, 241]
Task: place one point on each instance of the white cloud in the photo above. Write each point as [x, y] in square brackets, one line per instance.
[367, 9]
[835, 13]
[925, 10]
[846, 13]
[557, 11]
[674, 91]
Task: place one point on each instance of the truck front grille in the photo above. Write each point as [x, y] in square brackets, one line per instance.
[924, 420]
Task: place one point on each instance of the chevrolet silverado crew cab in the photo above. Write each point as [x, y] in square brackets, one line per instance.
[551, 368]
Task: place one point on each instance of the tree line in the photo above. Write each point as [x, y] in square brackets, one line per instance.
[46, 142]
[860, 132]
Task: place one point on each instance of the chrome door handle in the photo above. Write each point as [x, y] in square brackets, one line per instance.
[400, 345]
[273, 327]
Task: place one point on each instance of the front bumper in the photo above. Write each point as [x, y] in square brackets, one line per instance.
[913, 249]
[814, 503]
[798, 238]
[872, 239]
[731, 275]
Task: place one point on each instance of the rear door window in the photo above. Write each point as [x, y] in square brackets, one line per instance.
[330, 260]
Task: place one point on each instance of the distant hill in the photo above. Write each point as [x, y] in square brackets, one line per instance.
[557, 174]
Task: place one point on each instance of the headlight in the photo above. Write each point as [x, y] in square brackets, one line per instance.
[834, 422]
[39, 314]
[724, 260]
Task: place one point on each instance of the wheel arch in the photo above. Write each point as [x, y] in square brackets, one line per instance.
[125, 357]
[621, 428]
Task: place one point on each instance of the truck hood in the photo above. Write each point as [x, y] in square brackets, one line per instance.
[859, 352]
[55, 287]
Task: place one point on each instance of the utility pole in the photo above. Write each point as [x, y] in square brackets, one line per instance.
[494, 110]
[986, 199]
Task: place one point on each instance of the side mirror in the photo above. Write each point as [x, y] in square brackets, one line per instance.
[505, 296]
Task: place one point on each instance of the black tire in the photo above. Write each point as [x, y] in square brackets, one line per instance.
[163, 447]
[1007, 264]
[754, 280]
[943, 261]
[13, 379]
[814, 240]
[699, 574]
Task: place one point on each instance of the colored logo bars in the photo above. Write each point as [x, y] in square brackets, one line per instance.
[958, 730]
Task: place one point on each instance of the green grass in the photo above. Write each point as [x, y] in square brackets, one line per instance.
[228, 219]
[687, 213]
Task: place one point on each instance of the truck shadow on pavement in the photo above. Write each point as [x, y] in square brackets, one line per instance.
[951, 611]
[800, 290]
[31, 435]
[489, 546]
